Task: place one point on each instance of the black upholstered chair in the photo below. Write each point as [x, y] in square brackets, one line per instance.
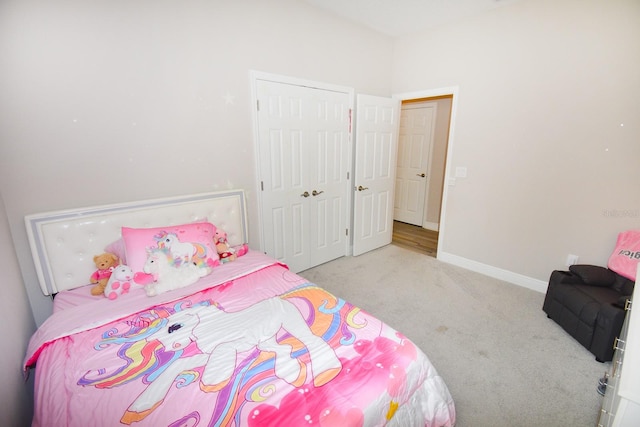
[588, 302]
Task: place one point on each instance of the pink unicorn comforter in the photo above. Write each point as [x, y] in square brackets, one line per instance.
[250, 345]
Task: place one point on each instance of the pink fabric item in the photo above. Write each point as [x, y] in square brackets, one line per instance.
[186, 242]
[117, 248]
[100, 274]
[625, 257]
[73, 297]
[301, 356]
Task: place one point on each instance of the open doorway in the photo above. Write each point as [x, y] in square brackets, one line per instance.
[423, 144]
[415, 238]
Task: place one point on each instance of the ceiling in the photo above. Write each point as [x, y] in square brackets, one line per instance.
[402, 17]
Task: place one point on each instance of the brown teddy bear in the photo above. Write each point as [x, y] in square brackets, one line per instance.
[226, 252]
[104, 262]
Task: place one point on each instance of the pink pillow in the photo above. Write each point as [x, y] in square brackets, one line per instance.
[193, 241]
[117, 248]
[625, 257]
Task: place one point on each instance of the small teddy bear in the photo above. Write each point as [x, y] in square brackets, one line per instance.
[119, 282]
[100, 277]
[225, 252]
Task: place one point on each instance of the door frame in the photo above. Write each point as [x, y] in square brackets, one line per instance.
[254, 76]
[449, 178]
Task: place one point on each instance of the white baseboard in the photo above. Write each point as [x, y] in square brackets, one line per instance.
[495, 272]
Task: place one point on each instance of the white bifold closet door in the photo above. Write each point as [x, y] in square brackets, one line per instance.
[304, 164]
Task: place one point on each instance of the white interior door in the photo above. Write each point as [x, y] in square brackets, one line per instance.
[414, 154]
[304, 158]
[329, 168]
[375, 170]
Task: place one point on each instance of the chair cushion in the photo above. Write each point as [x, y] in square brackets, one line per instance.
[585, 301]
[594, 275]
[623, 285]
[600, 294]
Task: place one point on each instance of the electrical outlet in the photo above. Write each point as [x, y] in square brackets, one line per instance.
[571, 260]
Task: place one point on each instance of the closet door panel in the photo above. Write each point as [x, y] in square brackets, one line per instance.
[303, 170]
[284, 176]
[330, 166]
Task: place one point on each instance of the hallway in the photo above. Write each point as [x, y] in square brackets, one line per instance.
[415, 238]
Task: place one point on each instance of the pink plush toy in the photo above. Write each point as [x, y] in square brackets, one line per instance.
[119, 282]
[226, 252]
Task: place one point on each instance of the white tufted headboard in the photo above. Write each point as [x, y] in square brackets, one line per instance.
[63, 243]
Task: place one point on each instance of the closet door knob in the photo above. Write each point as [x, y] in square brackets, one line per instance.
[305, 194]
[361, 188]
[315, 193]
[421, 175]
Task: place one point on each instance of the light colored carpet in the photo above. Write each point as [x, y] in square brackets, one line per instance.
[504, 362]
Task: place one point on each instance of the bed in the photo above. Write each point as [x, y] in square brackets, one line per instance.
[248, 344]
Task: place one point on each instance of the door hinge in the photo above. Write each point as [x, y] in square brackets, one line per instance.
[258, 104]
[346, 231]
[347, 176]
[261, 185]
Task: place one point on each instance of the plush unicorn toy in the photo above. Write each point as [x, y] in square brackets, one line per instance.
[167, 277]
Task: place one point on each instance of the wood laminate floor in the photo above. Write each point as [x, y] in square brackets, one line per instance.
[415, 238]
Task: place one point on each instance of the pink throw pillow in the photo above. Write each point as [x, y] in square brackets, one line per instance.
[625, 257]
[193, 241]
[117, 248]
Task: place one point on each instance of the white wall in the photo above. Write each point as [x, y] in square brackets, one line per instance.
[16, 395]
[548, 125]
[107, 101]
